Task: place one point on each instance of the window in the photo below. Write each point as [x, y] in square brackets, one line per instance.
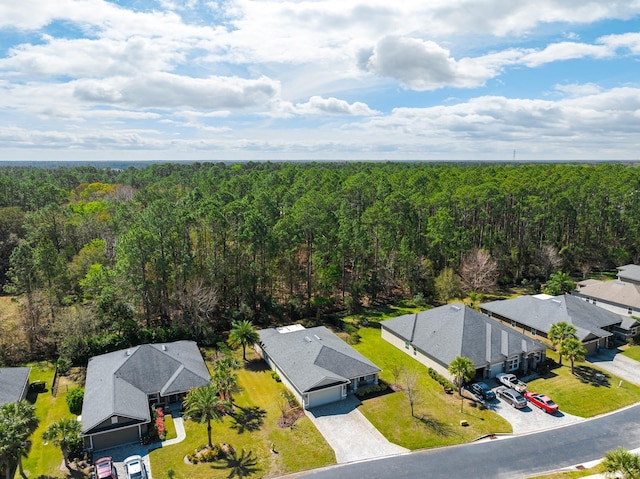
[513, 363]
[533, 332]
[513, 323]
[414, 351]
[629, 311]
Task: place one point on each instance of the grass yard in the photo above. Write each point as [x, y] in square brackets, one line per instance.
[437, 414]
[255, 431]
[582, 395]
[632, 352]
[44, 460]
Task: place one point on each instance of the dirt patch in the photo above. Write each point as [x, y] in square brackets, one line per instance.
[290, 417]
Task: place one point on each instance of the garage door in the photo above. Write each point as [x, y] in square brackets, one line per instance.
[324, 396]
[115, 438]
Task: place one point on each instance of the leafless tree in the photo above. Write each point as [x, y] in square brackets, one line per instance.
[479, 271]
[411, 389]
[197, 302]
[548, 260]
[396, 372]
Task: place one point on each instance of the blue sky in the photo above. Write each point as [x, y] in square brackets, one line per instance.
[320, 80]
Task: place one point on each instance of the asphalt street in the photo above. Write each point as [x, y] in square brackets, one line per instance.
[508, 458]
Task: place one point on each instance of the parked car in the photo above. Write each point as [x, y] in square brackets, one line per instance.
[542, 401]
[105, 469]
[511, 381]
[511, 396]
[483, 390]
[134, 467]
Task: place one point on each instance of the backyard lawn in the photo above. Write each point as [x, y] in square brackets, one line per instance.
[254, 431]
[44, 459]
[437, 414]
[583, 395]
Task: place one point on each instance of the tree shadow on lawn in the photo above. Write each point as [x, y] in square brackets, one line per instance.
[256, 365]
[248, 419]
[240, 466]
[595, 377]
[437, 427]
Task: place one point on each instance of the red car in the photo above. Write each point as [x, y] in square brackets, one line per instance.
[105, 468]
[543, 402]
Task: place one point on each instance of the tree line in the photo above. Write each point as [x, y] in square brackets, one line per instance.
[104, 258]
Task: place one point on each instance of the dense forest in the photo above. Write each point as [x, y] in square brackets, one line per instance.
[101, 258]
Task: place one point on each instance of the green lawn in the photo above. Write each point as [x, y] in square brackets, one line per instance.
[45, 459]
[437, 414]
[632, 351]
[582, 395]
[255, 431]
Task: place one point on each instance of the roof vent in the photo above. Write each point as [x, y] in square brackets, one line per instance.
[317, 337]
[307, 339]
[557, 301]
[456, 307]
[128, 352]
[164, 347]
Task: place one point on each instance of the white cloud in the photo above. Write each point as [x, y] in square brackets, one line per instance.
[165, 90]
[578, 90]
[565, 51]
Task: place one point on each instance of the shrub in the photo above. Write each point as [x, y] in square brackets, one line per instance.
[75, 397]
[440, 379]
[275, 376]
[63, 365]
[376, 388]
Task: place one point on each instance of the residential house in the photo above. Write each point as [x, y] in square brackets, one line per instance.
[14, 384]
[437, 336]
[122, 386]
[316, 365]
[536, 314]
[620, 296]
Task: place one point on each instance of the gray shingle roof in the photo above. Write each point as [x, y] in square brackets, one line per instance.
[457, 330]
[118, 383]
[616, 292]
[630, 272]
[13, 382]
[542, 313]
[313, 357]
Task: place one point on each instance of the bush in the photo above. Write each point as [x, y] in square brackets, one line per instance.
[376, 388]
[440, 379]
[75, 397]
[275, 376]
[63, 365]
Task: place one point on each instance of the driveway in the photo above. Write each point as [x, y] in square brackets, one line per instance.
[120, 453]
[349, 433]
[612, 361]
[530, 418]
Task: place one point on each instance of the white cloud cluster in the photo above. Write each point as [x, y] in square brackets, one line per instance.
[229, 74]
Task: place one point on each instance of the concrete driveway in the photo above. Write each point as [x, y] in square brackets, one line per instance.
[530, 418]
[612, 361]
[349, 433]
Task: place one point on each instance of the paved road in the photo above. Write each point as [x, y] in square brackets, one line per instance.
[509, 458]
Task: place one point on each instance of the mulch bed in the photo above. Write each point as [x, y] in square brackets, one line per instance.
[290, 417]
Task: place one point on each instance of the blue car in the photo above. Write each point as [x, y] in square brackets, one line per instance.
[483, 390]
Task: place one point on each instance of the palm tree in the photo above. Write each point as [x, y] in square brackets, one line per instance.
[559, 332]
[18, 420]
[204, 405]
[573, 349]
[65, 434]
[621, 460]
[243, 334]
[462, 369]
[225, 381]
